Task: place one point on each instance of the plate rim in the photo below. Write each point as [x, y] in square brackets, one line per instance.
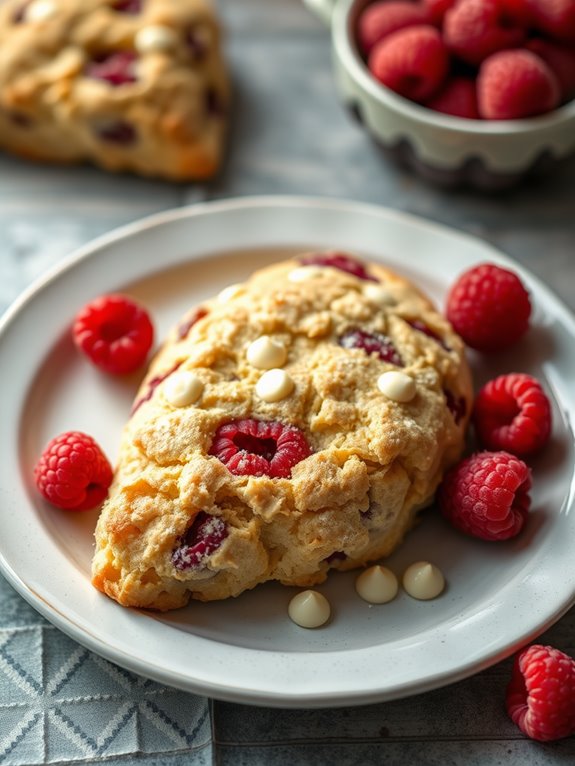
[227, 692]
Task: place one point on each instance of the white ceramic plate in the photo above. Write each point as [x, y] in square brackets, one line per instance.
[499, 596]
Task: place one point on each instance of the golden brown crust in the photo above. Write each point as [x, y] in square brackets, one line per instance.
[170, 121]
[375, 461]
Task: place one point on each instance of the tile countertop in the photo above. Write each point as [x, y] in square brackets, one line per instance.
[290, 135]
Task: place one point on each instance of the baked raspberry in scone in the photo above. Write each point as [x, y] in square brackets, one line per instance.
[136, 85]
[295, 423]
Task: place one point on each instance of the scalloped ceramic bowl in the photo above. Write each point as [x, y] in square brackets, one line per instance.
[446, 150]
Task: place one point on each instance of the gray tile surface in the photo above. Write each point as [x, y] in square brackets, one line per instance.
[290, 135]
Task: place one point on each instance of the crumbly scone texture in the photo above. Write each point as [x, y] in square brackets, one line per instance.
[374, 462]
[162, 111]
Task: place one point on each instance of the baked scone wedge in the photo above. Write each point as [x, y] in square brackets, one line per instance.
[295, 423]
[135, 85]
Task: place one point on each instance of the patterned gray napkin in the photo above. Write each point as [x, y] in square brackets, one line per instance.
[60, 702]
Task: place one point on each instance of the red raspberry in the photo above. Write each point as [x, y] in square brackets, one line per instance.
[489, 307]
[114, 68]
[438, 9]
[259, 448]
[204, 537]
[474, 29]
[73, 473]
[561, 60]
[458, 97]
[341, 261]
[556, 18]
[371, 343]
[114, 332]
[513, 413]
[515, 84]
[382, 18]
[487, 495]
[540, 697]
[413, 62]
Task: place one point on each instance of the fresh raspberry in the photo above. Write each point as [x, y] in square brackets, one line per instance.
[73, 473]
[382, 18]
[114, 332]
[413, 62]
[561, 60]
[116, 68]
[555, 18]
[438, 9]
[204, 537]
[153, 383]
[540, 697]
[489, 307]
[519, 12]
[516, 84]
[371, 343]
[341, 261]
[474, 29]
[487, 495]
[458, 97]
[259, 448]
[513, 413]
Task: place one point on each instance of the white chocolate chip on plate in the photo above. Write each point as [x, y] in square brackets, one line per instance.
[230, 292]
[305, 273]
[397, 386]
[377, 585]
[309, 609]
[155, 37]
[379, 295]
[182, 388]
[423, 581]
[274, 385]
[266, 353]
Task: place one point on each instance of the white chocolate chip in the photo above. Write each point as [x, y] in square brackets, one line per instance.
[379, 295]
[230, 292]
[155, 38]
[182, 388]
[377, 585]
[40, 10]
[423, 580]
[305, 273]
[309, 609]
[274, 385]
[266, 353]
[397, 386]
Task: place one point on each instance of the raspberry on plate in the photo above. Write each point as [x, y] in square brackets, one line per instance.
[73, 473]
[489, 307]
[474, 29]
[512, 413]
[458, 97]
[259, 448]
[382, 18]
[438, 9]
[114, 332]
[487, 495]
[540, 697]
[412, 62]
[515, 84]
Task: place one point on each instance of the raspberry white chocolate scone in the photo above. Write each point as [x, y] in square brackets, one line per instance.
[136, 85]
[295, 423]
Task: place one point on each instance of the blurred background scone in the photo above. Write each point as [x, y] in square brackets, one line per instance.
[135, 85]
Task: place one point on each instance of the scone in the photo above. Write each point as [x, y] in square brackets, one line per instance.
[136, 85]
[295, 423]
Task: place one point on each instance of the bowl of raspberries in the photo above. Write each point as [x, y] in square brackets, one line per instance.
[465, 92]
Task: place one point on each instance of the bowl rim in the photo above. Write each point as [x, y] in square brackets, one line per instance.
[345, 47]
